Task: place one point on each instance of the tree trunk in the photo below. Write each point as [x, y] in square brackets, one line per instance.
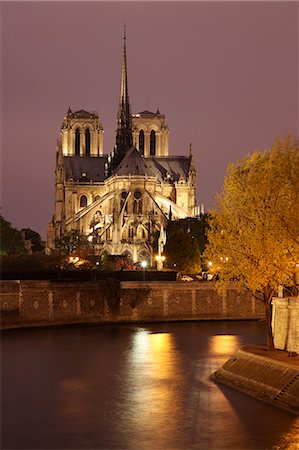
[268, 310]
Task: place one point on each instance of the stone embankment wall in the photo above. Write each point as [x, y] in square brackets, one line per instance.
[39, 303]
[264, 378]
[285, 323]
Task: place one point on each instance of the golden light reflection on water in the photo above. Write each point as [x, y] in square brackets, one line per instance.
[226, 344]
[154, 375]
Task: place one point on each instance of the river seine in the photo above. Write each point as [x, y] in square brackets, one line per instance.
[141, 387]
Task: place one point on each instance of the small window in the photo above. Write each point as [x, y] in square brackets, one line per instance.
[77, 142]
[137, 195]
[153, 143]
[141, 142]
[87, 141]
[137, 203]
[83, 201]
[131, 232]
[123, 198]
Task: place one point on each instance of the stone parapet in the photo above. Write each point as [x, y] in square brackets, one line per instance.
[38, 303]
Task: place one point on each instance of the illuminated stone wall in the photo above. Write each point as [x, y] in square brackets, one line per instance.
[36, 303]
[285, 323]
[147, 122]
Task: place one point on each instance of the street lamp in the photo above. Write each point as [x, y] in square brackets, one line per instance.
[143, 265]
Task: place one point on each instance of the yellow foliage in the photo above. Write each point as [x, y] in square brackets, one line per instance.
[254, 230]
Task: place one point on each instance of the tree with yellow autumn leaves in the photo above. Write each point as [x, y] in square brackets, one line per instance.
[254, 230]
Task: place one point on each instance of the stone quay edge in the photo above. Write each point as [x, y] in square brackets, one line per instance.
[48, 303]
[273, 379]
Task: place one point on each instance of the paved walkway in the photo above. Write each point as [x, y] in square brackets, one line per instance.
[278, 355]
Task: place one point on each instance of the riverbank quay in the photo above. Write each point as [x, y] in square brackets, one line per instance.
[50, 303]
[268, 375]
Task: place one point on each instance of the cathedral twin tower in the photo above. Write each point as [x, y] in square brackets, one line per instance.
[122, 199]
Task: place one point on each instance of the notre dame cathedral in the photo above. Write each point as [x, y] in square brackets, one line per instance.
[120, 200]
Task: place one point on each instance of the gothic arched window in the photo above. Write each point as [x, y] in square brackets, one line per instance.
[137, 203]
[131, 232]
[87, 141]
[141, 142]
[123, 198]
[77, 142]
[83, 201]
[153, 143]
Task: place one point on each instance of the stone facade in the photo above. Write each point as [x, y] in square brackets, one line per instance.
[38, 303]
[150, 133]
[120, 200]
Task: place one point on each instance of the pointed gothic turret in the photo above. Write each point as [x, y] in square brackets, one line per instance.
[124, 138]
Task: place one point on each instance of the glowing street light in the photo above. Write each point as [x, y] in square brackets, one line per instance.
[144, 265]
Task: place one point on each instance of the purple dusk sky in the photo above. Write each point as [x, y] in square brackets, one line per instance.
[224, 74]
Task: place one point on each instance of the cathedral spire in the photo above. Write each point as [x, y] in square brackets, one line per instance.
[124, 138]
[124, 98]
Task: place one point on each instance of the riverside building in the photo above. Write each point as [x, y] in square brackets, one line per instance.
[123, 199]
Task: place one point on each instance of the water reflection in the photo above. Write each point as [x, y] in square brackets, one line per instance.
[125, 387]
[153, 400]
[225, 345]
[74, 393]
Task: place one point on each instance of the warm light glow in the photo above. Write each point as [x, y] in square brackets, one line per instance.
[143, 264]
[226, 344]
[210, 263]
[74, 259]
[154, 367]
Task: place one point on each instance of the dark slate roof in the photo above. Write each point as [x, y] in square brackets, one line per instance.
[134, 164]
[177, 166]
[147, 113]
[84, 114]
[172, 168]
[92, 166]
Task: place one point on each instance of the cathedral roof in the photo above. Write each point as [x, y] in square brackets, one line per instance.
[171, 168]
[90, 168]
[135, 164]
[175, 166]
[84, 168]
[147, 113]
[84, 114]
